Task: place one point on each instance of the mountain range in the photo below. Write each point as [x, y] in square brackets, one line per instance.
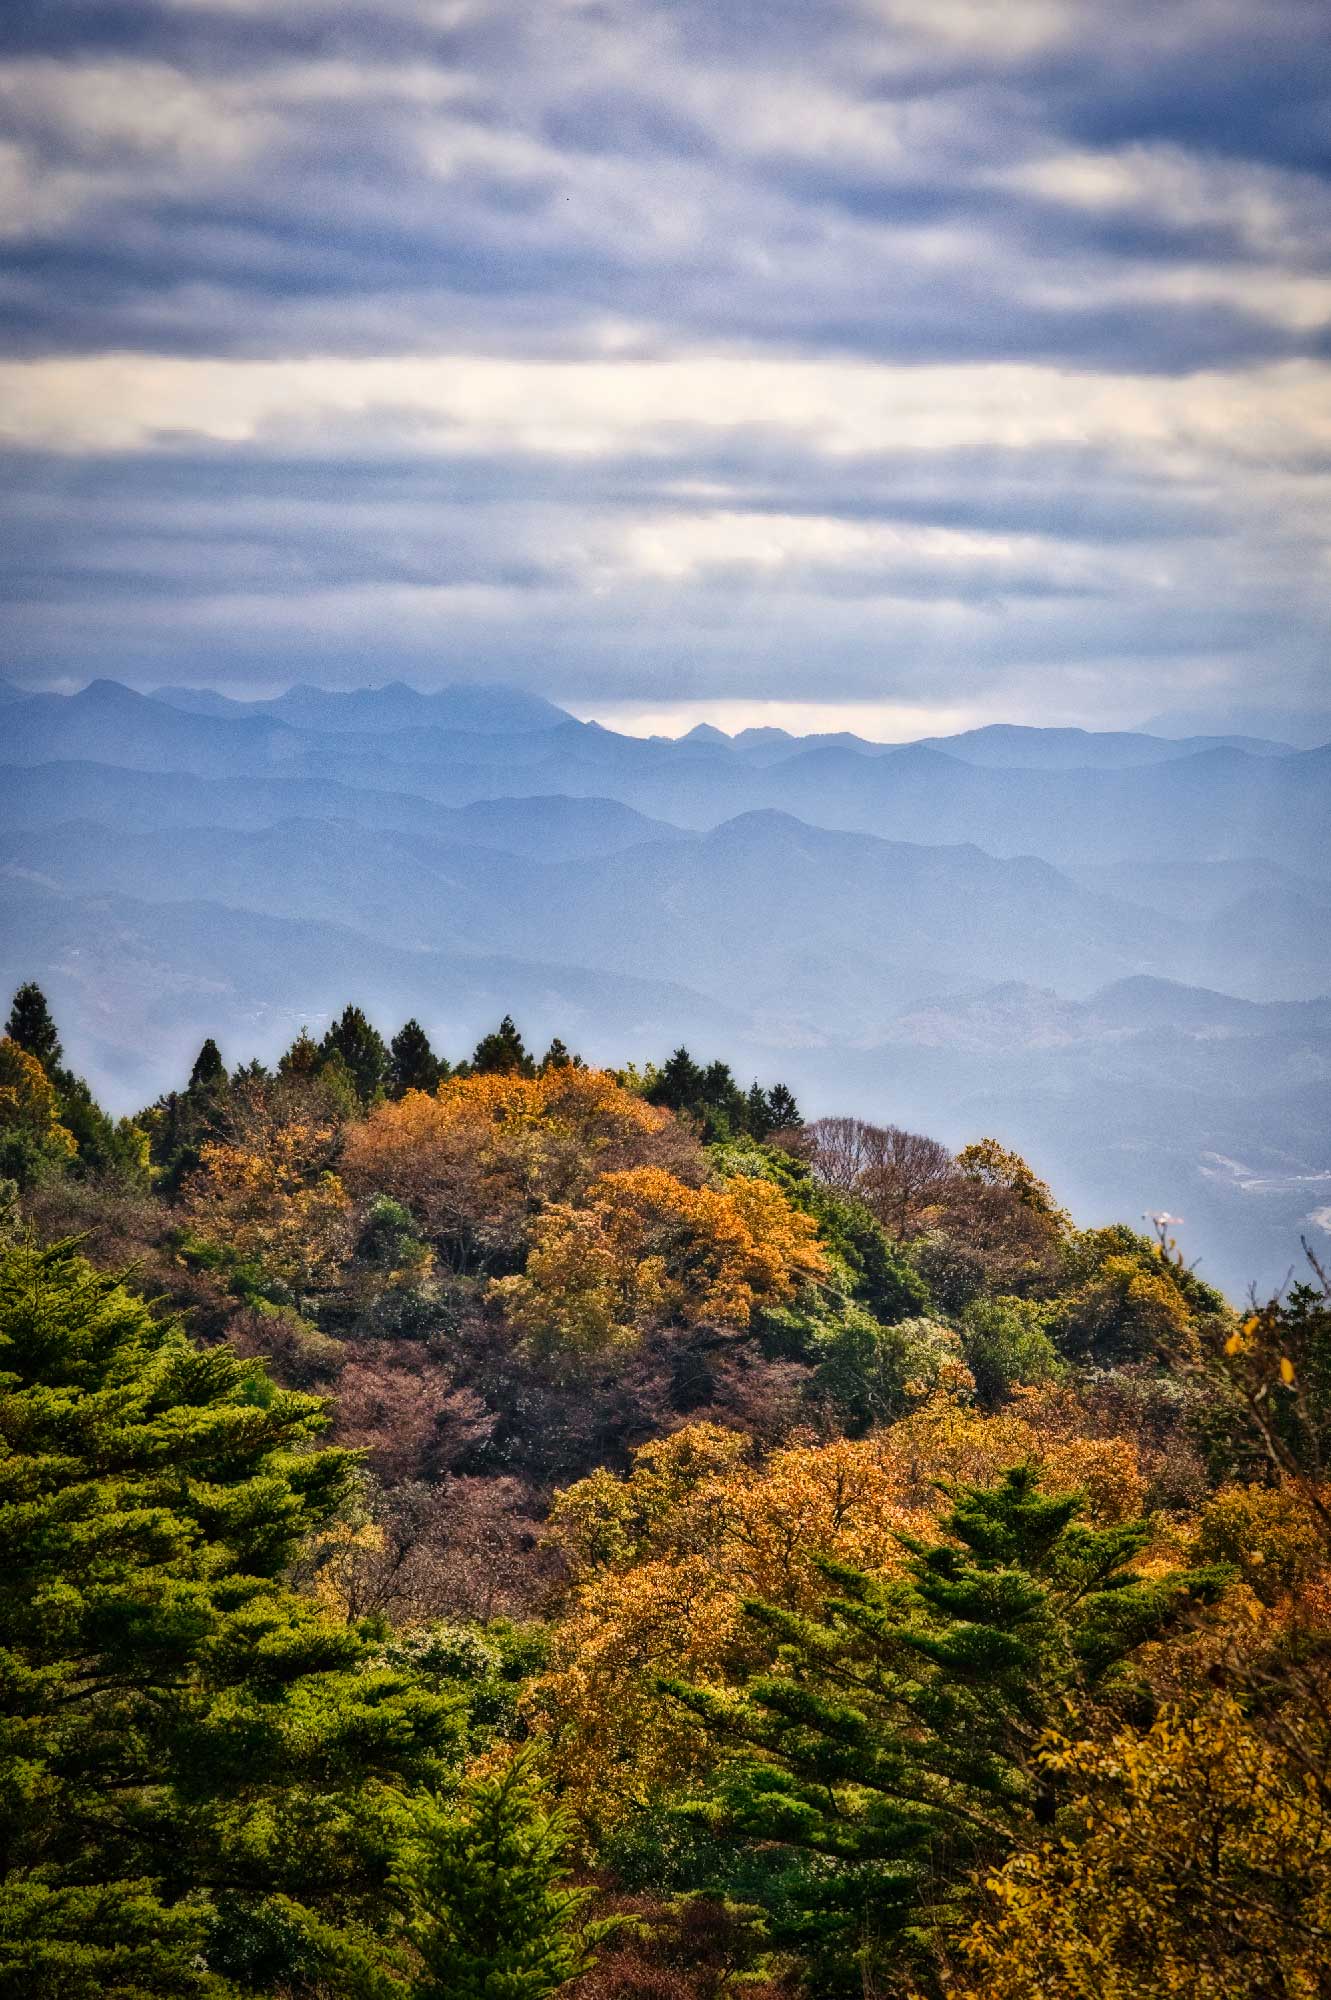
[1110, 948]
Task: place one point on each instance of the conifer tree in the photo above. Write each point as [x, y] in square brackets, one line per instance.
[31, 1026]
[892, 1749]
[502, 1053]
[488, 1909]
[208, 1075]
[757, 1112]
[782, 1109]
[413, 1064]
[187, 1749]
[362, 1048]
[558, 1057]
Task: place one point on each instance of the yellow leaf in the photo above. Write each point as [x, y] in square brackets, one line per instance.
[1286, 1369]
[1234, 1343]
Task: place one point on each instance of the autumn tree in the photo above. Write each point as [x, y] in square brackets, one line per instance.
[895, 1747]
[277, 1218]
[899, 1176]
[647, 1249]
[1194, 1861]
[476, 1161]
[32, 1138]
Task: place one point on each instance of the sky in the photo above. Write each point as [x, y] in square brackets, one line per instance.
[891, 364]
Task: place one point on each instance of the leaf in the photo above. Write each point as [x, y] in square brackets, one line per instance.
[1286, 1370]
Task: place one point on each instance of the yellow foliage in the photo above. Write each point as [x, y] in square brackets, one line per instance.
[649, 1249]
[263, 1202]
[1197, 1866]
[28, 1101]
[663, 1562]
[475, 1161]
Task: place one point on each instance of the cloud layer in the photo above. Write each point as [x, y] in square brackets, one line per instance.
[954, 359]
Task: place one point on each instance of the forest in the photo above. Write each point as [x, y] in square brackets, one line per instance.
[489, 1527]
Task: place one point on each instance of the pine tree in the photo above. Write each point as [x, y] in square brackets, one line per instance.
[757, 1113]
[187, 1749]
[208, 1075]
[782, 1109]
[487, 1909]
[558, 1057]
[413, 1064]
[302, 1059]
[31, 1026]
[502, 1053]
[892, 1750]
[363, 1050]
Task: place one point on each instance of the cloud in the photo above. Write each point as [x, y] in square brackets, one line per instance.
[932, 354]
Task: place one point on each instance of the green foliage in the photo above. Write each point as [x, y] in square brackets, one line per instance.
[712, 1100]
[875, 1373]
[174, 1722]
[482, 1882]
[31, 1026]
[1007, 1346]
[892, 1751]
[362, 1049]
[502, 1053]
[413, 1064]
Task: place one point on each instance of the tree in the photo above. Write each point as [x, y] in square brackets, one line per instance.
[502, 1052]
[557, 1056]
[757, 1112]
[361, 1047]
[1194, 1861]
[895, 1748]
[487, 1908]
[31, 1026]
[413, 1064]
[192, 1758]
[898, 1175]
[32, 1138]
[208, 1075]
[782, 1110]
[649, 1250]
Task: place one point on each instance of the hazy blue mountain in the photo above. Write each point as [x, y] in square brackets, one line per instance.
[1012, 746]
[1194, 890]
[472, 708]
[110, 724]
[137, 986]
[127, 801]
[1306, 728]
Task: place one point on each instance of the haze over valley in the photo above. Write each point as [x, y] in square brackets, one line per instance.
[1112, 949]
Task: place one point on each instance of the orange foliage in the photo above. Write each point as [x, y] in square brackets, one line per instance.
[477, 1160]
[264, 1202]
[649, 1250]
[662, 1562]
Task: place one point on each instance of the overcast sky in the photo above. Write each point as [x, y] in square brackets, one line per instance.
[903, 363]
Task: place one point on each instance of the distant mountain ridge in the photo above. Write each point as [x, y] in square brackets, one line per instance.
[1107, 947]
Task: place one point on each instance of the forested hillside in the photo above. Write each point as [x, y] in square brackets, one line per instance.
[480, 1526]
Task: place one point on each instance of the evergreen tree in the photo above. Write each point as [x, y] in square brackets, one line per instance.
[208, 1075]
[757, 1112]
[190, 1755]
[558, 1057]
[782, 1109]
[363, 1050]
[893, 1748]
[487, 1906]
[679, 1084]
[31, 1026]
[502, 1053]
[413, 1064]
[302, 1059]
[102, 1145]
